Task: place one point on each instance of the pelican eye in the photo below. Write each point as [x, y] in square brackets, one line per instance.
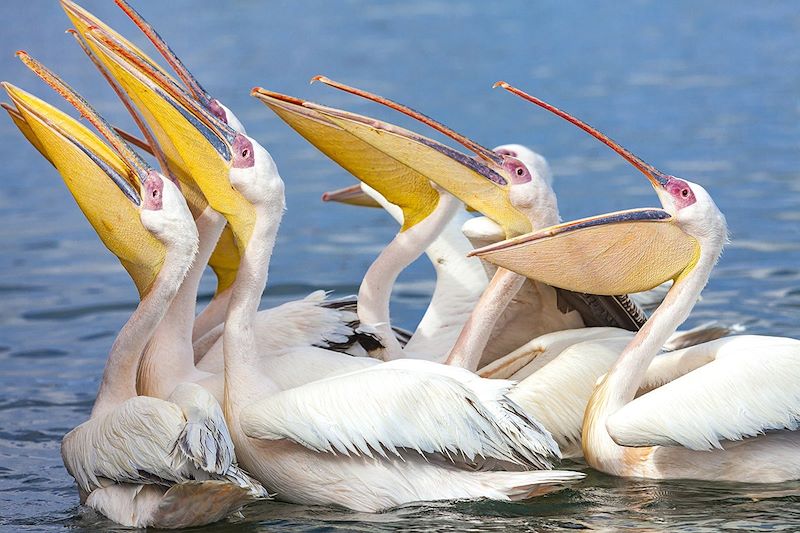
[685, 192]
[155, 193]
[520, 172]
[245, 152]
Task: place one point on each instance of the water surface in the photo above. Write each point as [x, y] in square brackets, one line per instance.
[705, 90]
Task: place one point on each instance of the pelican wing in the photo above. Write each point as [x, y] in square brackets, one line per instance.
[134, 443]
[751, 386]
[404, 404]
[150, 441]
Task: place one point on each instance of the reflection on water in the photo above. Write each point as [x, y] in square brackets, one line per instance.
[703, 90]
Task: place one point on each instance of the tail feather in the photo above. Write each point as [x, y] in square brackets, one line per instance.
[198, 503]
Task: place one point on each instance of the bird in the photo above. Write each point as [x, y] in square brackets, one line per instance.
[303, 441]
[310, 320]
[729, 408]
[452, 172]
[138, 460]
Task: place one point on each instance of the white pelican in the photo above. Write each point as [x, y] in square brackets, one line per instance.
[340, 136]
[733, 413]
[308, 321]
[138, 460]
[368, 439]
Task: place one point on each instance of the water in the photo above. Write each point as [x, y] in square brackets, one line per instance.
[701, 89]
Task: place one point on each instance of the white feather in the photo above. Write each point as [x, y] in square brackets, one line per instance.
[412, 404]
[753, 385]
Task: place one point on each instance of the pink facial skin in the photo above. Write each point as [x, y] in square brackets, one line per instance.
[682, 194]
[506, 151]
[517, 170]
[242, 152]
[217, 110]
[153, 190]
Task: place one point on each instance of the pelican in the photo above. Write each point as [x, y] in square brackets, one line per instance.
[365, 439]
[732, 413]
[308, 321]
[340, 136]
[426, 212]
[138, 460]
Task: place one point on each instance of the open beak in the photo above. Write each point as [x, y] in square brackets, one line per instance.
[617, 253]
[352, 195]
[104, 182]
[83, 20]
[174, 61]
[400, 184]
[19, 121]
[657, 178]
[188, 132]
[481, 182]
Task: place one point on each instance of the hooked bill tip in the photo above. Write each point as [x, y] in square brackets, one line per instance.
[71, 31]
[318, 77]
[326, 197]
[502, 84]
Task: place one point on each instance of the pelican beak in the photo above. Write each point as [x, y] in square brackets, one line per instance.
[83, 20]
[19, 121]
[618, 253]
[104, 183]
[185, 129]
[481, 182]
[191, 83]
[352, 195]
[657, 178]
[400, 184]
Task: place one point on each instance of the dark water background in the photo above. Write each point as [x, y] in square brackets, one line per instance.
[706, 90]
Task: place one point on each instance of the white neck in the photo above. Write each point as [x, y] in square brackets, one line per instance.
[376, 288]
[504, 286]
[238, 339]
[623, 380]
[626, 375]
[475, 334]
[119, 376]
[460, 281]
[169, 358]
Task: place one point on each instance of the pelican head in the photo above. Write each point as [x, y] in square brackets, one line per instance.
[530, 190]
[481, 181]
[137, 212]
[623, 252]
[164, 213]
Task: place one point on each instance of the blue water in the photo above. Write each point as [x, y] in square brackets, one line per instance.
[705, 90]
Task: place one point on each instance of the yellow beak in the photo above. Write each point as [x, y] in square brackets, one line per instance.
[193, 139]
[398, 183]
[480, 182]
[225, 259]
[618, 253]
[103, 184]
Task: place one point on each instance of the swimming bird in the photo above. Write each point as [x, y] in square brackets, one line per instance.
[138, 460]
[311, 320]
[304, 441]
[731, 410]
[452, 173]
